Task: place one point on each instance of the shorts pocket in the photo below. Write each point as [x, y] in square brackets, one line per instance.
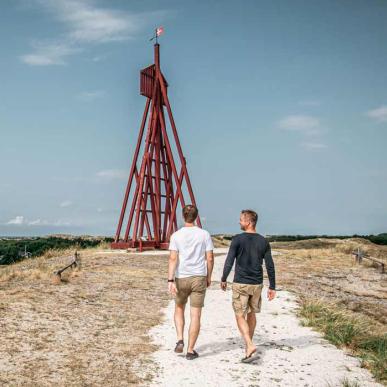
[236, 296]
[199, 285]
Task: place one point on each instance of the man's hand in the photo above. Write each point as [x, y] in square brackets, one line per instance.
[271, 294]
[208, 282]
[223, 286]
[172, 288]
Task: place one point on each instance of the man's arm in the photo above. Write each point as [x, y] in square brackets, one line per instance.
[269, 263]
[209, 257]
[172, 263]
[210, 266]
[232, 252]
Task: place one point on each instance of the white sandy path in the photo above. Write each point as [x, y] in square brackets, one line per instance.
[290, 355]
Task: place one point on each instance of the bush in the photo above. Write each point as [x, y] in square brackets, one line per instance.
[11, 250]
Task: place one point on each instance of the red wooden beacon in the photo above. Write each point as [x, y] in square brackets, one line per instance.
[160, 181]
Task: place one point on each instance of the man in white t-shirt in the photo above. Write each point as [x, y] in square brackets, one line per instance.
[189, 275]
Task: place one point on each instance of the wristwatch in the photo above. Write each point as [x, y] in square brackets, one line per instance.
[171, 280]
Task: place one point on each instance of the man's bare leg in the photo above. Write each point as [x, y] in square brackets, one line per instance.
[252, 322]
[245, 332]
[179, 320]
[194, 328]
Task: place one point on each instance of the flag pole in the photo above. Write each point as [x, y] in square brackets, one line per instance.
[156, 35]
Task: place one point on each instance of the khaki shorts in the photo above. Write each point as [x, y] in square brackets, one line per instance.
[193, 287]
[246, 298]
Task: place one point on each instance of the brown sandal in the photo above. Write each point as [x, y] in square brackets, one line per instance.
[253, 356]
[191, 355]
[179, 346]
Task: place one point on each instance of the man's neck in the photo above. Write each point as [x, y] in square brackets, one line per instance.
[189, 224]
[251, 230]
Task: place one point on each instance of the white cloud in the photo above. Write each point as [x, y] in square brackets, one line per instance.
[37, 222]
[46, 54]
[43, 222]
[88, 96]
[66, 203]
[112, 174]
[21, 220]
[308, 127]
[309, 103]
[61, 223]
[96, 59]
[301, 123]
[85, 24]
[313, 145]
[379, 114]
[17, 220]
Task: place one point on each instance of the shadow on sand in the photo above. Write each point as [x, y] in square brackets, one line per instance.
[234, 343]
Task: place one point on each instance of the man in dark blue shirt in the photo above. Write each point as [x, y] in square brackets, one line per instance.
[249, 249]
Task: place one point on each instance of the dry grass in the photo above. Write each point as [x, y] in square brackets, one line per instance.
[325, 269]
[90, 329]
[220, 241]
[39, 268]
[346, 301]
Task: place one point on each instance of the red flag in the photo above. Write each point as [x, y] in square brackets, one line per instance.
[159, 31]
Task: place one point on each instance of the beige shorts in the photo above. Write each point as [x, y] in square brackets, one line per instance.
[193, 287]
[246, 298]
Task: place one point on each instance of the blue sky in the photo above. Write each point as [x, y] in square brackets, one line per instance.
[281, 106]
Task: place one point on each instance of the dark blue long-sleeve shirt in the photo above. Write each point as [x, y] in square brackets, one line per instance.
[249, 250]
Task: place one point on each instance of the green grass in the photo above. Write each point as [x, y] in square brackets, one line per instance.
[343, 329]
[347, 383]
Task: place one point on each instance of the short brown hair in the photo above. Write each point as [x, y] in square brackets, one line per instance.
[251, 216]
[190, 213]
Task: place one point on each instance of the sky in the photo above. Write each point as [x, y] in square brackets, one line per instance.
[281, 107]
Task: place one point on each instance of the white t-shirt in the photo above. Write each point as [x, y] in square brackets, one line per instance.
[191, 243]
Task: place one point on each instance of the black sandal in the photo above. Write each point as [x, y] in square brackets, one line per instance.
[179, 346]
[191, 355]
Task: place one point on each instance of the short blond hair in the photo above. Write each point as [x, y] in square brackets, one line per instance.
[251, 216]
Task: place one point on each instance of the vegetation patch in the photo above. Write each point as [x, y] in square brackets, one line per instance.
[16, 249]
[359, 336]
[379, 239]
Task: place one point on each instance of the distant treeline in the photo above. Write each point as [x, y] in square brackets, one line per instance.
[17, 249]
[13, 250]
[380, 239]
